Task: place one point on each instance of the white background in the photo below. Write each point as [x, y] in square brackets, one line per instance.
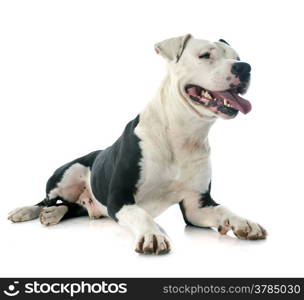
[73, 73]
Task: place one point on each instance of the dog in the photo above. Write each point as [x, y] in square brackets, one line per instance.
[162, 157]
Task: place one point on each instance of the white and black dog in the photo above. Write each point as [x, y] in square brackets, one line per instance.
[163, 156]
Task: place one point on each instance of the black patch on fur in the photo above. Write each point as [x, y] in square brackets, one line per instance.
[181, 205]
[114, 174]
[74, 210]
[47, 202]
[116, 171]
[206, 199]
[223, 41]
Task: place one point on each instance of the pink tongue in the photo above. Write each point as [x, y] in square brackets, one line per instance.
[235, 100]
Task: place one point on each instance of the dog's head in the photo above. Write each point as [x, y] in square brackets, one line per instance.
[210, 75]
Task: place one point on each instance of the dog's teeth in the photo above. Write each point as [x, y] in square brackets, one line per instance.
[226, 103]
[206, 95]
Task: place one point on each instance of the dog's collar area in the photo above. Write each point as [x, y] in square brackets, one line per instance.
[226, 102]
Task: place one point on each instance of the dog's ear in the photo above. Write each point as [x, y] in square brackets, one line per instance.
[172, 49]
[223, 41]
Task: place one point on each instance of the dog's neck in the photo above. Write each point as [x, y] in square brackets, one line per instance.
[169, 112]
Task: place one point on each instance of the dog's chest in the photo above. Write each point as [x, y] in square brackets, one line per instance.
[170, 171]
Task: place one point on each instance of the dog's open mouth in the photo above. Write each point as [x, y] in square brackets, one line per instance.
[227, 102]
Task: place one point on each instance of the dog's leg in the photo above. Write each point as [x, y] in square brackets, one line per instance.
[150, 238]
[204, 212]
[121, 206]
[27, 213]
[52, 215]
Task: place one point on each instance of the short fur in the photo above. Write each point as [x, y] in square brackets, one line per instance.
[162, 158]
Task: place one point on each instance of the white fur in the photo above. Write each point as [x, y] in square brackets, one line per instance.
[221, 218]
[175, 163]
[95, 208]
[175, 150]
[212, 73]
[75, 186]
[149, 237]
[25, 213]
[72, 184]
[52, 215]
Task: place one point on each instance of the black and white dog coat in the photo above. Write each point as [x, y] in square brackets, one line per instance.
[162, 157]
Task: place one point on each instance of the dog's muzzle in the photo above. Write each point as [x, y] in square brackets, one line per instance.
[227, 103]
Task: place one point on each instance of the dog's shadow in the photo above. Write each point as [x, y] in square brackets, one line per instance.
[208, 235]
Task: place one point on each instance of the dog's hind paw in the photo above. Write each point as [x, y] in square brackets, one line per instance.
[25, 213]
[153, 243]
[243, 229]
[52, 215]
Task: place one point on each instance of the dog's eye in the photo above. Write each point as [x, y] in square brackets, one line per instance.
[206, 55]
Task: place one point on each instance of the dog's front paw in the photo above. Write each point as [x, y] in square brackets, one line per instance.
[242, 228]
[52, 215]
[152, 243]
[25, 213]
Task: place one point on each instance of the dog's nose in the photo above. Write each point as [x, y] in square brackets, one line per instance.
[241, 69]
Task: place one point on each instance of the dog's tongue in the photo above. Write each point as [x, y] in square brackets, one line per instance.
[236, 101]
